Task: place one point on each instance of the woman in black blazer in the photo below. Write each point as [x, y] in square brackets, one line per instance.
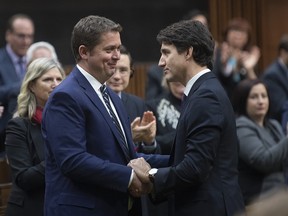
[24, 142]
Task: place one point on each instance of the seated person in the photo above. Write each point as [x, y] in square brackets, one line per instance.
[166, 108]
[263, 147]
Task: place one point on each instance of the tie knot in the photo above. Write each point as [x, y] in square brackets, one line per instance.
[103, 88]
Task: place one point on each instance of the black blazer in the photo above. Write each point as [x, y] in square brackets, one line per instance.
[134, 105]
[202, 177]
[25, 152]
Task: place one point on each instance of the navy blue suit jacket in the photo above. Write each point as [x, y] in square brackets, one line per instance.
[86, 172]
[203, 176]
[9, 87]
[276, 79]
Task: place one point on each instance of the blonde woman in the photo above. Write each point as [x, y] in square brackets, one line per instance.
[24, 143]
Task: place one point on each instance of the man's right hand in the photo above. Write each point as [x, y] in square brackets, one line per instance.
[137, 188]
[141, 168]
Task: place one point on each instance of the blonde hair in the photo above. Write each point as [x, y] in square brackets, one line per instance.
[26, 99]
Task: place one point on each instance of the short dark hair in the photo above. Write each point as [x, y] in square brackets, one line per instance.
[88, 32]
[125, 51]
[186, 34]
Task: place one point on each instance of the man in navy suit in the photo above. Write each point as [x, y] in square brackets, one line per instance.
[276, 78]
[202, 178]
[88, 136]
[19, 36]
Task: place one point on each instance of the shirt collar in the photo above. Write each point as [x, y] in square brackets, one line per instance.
[193, 80]
[15, 58]
[92, 80]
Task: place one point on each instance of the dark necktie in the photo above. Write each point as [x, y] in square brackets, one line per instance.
[105, 95]
[21, 68]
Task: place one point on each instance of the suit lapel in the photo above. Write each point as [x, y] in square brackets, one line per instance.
[92, 95]
[37, 140]
[194, 88]
[123, 118]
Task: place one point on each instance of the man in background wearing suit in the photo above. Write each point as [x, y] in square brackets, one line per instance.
[143, 122]
[87, 133]
[202, 178]
[275, 77]
[19, 36]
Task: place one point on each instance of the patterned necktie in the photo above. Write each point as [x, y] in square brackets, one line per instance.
[105, 95]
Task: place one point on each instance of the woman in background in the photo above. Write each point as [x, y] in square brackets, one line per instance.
[24, 142]
[263, 146]
[236, 58]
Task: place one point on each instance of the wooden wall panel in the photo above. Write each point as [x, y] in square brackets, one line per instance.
[273, 25]
[267, 18]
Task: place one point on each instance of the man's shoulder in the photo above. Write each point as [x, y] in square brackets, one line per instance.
[3, 54]
[132, 97]
[273, 69]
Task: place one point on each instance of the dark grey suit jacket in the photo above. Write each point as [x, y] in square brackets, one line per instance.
[263, 152]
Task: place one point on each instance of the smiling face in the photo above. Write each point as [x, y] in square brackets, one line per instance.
[120, 80]
[257, 103]
[44, 85]
[173, 63]
[101, 61]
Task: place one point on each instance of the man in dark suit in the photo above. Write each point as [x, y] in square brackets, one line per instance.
[19, 36]
[143, 122]
[276, 79]
[202, 178]
[87, 132]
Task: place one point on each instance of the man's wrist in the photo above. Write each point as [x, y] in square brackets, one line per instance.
[153, 143]
[151, 174]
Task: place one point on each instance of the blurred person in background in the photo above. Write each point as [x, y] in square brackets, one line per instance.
[263, 147]
[24, 142]
[19, 36]
[236, 58]
[41, 49]
[167, 110]
[275, 77]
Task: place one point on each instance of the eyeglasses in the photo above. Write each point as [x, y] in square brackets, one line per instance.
[22, 36]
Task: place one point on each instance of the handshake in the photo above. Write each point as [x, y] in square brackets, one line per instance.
[141, 183]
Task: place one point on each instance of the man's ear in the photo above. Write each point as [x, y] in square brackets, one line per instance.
[189, 53]
[83, 52]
